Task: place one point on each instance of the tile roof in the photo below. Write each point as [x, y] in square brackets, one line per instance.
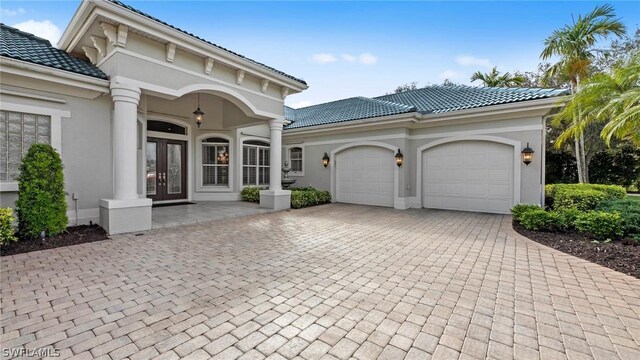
[23, 46]
[121, 4]
[429, 100]
[439, 99]
[343, 110]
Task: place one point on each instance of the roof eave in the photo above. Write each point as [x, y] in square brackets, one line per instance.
[403, 117]
[47, 73]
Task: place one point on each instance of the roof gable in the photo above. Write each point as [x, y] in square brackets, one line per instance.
[27, 47]
[271, 69]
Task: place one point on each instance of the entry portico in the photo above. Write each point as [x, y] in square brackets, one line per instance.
[158, 76]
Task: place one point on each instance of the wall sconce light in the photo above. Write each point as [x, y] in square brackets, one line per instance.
[198, 115]
[527, 155]
[325, 160]
[399, 158]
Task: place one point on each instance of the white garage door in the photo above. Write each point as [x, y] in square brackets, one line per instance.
[365, 175]
[468, 175]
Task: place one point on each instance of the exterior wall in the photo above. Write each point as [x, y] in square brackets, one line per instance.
[85, 147]
[519, 130]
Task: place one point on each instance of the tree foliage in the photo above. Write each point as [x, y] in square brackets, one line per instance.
[496, 79]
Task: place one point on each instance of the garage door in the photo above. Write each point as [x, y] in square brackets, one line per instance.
[365, 175]
[468, 175]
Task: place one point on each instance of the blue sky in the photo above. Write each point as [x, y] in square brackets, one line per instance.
[354, 48]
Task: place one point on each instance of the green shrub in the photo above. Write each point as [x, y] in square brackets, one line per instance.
[251, 193]
[602, 225]
[305, 197]
[41, 205]
[7, 232]
[566, 218]
[539, 220]
[629, 210]
[583, 197]
[520, 209]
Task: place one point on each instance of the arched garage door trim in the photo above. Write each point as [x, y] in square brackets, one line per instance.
[391, 148]
[516, 160]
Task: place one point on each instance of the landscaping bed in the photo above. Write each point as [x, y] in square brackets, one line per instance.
[300, 197]
[598, 223]
[622, 255]
[72, 236]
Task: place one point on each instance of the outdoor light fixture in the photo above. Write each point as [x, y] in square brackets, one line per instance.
[198, 114]
[325, 160]
[223, 155]
[399, 158]
[527, 155]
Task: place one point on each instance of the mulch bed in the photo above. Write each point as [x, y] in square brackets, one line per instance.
[622, 256]
[72, 236]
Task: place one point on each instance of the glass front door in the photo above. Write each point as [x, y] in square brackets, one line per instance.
[166, 169]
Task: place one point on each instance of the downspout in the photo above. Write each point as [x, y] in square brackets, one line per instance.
[543, 165]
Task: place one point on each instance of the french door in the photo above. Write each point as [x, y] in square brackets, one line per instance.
[166, 169]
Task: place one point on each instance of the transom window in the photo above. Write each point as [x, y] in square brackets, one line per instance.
[255, 163]
[295, 158]
[215, 162]
[18, 131]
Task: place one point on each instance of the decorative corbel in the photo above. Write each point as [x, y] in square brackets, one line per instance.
[123, 31]
[239, 77]
[284, 92]
[208, 65]
[264, 85]
[171, 51]
[111, 32]
[100, 44]
[91, 53]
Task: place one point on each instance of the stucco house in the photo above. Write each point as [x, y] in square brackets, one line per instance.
[117, 99]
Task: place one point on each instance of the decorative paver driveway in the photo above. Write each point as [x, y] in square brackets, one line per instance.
[335, 281]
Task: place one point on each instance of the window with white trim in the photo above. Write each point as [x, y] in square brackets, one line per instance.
[215, 162]
[295, 159]
[18, 131]
[255, 163]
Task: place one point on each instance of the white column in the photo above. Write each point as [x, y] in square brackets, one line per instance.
[275, 158]
[125, 132]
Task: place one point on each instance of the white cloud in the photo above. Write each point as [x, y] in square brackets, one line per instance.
[301, 104]
[349, 58]
[449, 74]
[323, 58]
[364, 58]
[12, 12]
[367, 59]
[468, 60]
[44, 29]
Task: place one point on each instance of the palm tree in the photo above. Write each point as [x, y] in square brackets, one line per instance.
[613, 98]
[494, 79]
[573, 45]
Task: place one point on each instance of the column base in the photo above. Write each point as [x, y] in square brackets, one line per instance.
[275, 199]
[123, 216]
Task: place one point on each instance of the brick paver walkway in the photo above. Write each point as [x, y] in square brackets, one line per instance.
[335, 281]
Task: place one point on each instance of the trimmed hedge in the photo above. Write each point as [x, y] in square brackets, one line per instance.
[581, 196]
[251, 193]
[7, 232]
[629, 210]
[602, 225]
[41, 205]
[538, 220]
[300, 197]
[305, 197]
[521, 209]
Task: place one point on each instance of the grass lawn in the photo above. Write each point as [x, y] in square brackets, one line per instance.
[634, 197]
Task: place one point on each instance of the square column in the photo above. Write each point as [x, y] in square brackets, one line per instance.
[275, 198]
[126, 212]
